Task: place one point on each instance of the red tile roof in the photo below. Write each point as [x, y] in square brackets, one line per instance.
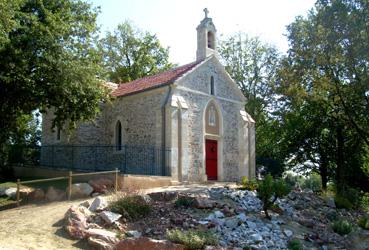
[150, 82]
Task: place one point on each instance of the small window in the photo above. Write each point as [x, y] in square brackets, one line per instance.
[58, 134]
[211, 41]
[212, 90]
[212, 118]
[118, 136]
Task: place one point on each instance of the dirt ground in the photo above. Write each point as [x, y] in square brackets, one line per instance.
[40, 226]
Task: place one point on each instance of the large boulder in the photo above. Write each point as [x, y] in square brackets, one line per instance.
[81, 190]
[11, 192]
[25, 192]
[163, 196]
[147, 243]
[109, 217]
[101, 239]
[76, 221]
[204, 203]
[98, 204]
[101, 185]
[36, 195]
[54, 194]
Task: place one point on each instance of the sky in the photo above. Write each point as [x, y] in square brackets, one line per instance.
[174, 21]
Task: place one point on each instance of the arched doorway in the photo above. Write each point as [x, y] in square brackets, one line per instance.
[213, 141]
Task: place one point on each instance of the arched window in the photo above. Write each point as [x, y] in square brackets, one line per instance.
[211, 42]
[212, 90]
[118, 136]
[212, 117]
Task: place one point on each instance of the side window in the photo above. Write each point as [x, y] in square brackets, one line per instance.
[58, 134]
[118, 136]
[212, 87]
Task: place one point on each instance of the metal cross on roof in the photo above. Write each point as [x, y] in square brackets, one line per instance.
[206, 12]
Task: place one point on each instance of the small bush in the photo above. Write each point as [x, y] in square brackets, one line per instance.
[192, 239]
[364, 202]
[295, 244]
[342, 202]
[269, 190]
[342, 227]
[291, 179]
[313, 182]
[364, 222]
[247, 184]
[184, 201]
[131, 207]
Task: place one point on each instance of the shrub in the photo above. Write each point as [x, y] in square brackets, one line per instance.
[184, 201]
[248, 184]
[131, 207]
[295, 244]
[342, 227]
[364, 202]
[192, 239]
[342, 202]
[313, 182]
[364, 222]
[291, 179]
[269, 190]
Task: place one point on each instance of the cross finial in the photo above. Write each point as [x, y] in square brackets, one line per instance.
[206, 12]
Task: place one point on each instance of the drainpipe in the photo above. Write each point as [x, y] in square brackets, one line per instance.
[164, 123]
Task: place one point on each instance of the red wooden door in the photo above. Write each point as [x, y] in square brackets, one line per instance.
[211, 159]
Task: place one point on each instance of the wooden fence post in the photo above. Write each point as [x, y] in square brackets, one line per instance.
[116, 180]
[18, 191]
[70, 185]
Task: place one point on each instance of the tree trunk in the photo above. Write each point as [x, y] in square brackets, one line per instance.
[339, 160]
[323, 169]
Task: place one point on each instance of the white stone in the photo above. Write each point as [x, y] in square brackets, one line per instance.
[288, 233]
[218, 214]
[11, 192]
[134, 234]
[251, 224]
[242, 217]
[109, 216]
[256, 237]
[98, 204]
[81, 189]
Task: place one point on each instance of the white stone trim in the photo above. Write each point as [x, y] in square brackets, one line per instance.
[178, 101]
[246, 117]
[211, 96]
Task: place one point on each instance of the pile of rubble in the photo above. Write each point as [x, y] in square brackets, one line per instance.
[235, 216]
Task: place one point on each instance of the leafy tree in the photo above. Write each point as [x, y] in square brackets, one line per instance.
[48, 60]
[324, 84]
[253, 65]
[130, 54]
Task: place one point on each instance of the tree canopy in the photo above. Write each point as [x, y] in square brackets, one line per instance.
[129, 54]
[48, 60]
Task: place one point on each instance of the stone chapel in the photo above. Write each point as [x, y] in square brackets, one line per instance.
[188, 123]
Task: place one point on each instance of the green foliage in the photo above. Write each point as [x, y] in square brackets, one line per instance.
[131, 207]
[313, 182]
[295, 244]
[192, 239]
[269, 190]
[184, 201]
[364, 202]
[342, 202]
[49, 61]
[130, 54]
[291, 179]
[248, 184]
[364, 222]
[342, 227]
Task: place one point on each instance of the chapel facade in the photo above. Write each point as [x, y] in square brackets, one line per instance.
[195, 113]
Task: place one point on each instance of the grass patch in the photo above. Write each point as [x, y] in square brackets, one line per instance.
[342, 227]
[364, 222]
[192, 239]
[130, 207]
[295, 244]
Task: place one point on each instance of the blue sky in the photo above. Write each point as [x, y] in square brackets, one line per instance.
[175, 21]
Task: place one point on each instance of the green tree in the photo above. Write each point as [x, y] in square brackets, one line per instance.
[48, 60]
[324, 84]
[130, 54]
[253, 65]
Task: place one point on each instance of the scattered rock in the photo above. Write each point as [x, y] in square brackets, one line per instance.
[2, 191]
[231, 223]
[100, 244]
[163, 196]
[101, 185]
[134, 234]
[11, 192]
[81, 190]
[25, 192]
[54, 194]
[101, 239]
[218, 214]
[76, 222]
[86, 204]
[98, 204]
[204, 203]
[288, 233]
[109, 217]
[37, 195]
[256, 238]
[147, 243]
[330, 202]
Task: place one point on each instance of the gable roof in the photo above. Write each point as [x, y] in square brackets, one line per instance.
[155, 81]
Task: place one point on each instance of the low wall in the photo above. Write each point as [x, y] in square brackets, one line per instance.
[126, 182]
